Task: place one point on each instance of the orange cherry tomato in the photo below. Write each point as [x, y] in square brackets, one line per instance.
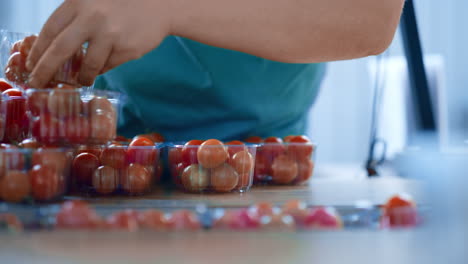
[235, 146]
[84, 166]
[152, 219]
[103, 128]
[114, 156]
[183, 220]
[45, 183]
[4, 85]
[212, 153]
[195, 178]
[305, 170]
[64, 102]
[242, 162]
[136, 179]
[300, 147]
[15, 186]
[284, 170]
[54, 158]
[105, 180]
[143, 151]
[189, 151]
[254, 140]
[224, 178]
[77, 215]
[126, 220]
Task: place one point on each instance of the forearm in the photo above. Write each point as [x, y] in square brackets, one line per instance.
[298, 31]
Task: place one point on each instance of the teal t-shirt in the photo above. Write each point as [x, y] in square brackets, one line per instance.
[187, 90]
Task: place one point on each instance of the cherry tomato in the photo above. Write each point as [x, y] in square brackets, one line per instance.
[322, 218]
[11, 159]
[242, 162]
[125, 220]
[136, 179]
[262, 168]
[224, 178]
[114, 156]
[76, 215]
[103, 128]
[297, 209]
[177, 172]
[273, 147]
[189, 151]
[305, 170]
[64, 102]
[262, 209]
[195, 178]
[174, 156]
[235, 146]
[153, 219]
[46, 129]
[4, 85]
[13, 92]
[142, 151]
[95, 150]
[105, 180]
[155, 137]
[76, 129]
[16, 46]
[277, 222]
[15, 186]
[212, 153]
[183, 220]
[300, 147]
[84, 166]
[15, 70]
[27, 44]
[55, 158]
[254, 140]
[241, 220]
[101, 105]
[45, 183]
[400, 211]
[29, 143]
[287, 139]
[284, 170]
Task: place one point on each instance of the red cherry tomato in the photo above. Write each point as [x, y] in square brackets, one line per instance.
[189, 151]
[95, 150]
[55, 158]
[105, 180]
[4, 85]
[76, 129]
[254, 140]
[45, 183]
[297, 209]
[212, 153]
[174, 156]
[143, 151]
[15, 70]
[305, 170]
[284, 170]
[64, 102]
[242, 162]
[195, 178]
[272, 148]
[262, 168]
[76, 215]
[300, 147]
[177, 172]
[101, 105]
[136, 179]
[103, 128]
[153, 219]
[224, 178]
[46, 129]
[84, 166]
[114, 156]
[15, 186]
[183, 220]
[125, 220]
[287, 139]
[322, 218]
[400, 211]
[235, 146]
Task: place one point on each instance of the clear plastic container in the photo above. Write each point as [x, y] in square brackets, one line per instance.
[116, 169]
[216, 168]
[65, 116]
[14, 49]
[40, 175]
[3, 115]
[15, 120]
[284, 163]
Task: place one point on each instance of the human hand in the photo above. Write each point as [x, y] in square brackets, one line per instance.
[117, 31]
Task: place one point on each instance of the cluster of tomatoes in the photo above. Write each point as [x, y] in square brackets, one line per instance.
[283, 161]
[129, 167]
[211, 165]
[17, 73]
[41, 174]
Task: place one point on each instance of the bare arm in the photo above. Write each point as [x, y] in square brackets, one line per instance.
[296, 31]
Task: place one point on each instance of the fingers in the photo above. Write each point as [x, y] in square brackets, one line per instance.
[60, 49]
[99, 50]
[58, 21]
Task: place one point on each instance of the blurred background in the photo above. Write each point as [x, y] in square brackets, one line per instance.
[340, 119]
